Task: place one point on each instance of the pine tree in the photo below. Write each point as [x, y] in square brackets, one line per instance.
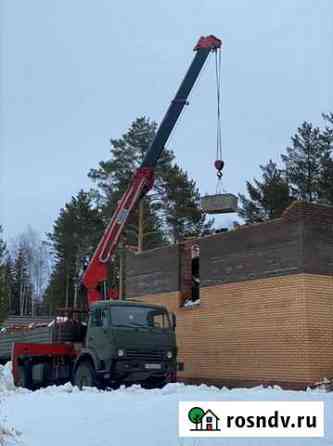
[326, 177]
[267, 198]
[112, 178]
[303, 162]
[328, 118]
[74, 238]
[22, 286]
[4, 296]
[13, 305]
[171, 208]
[55, 293]
[180, 198]
[325, 185]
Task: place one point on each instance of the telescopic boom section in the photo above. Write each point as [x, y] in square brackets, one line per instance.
[143, 179]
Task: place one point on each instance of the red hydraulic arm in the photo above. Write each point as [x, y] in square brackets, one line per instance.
[95, 276]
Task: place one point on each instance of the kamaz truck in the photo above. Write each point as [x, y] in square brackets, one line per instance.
[123, 342]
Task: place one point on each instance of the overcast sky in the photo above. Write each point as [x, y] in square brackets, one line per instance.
[75, 73]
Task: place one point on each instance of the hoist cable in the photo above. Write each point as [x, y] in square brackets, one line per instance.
[218, 65]
[219, 163]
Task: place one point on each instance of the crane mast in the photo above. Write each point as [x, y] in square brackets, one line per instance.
[143, 179]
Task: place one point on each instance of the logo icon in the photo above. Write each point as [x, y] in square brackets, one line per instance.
[203, 420]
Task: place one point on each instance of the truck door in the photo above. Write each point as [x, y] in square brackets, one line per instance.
[99, 333]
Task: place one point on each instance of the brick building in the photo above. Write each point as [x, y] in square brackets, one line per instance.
[265, 313]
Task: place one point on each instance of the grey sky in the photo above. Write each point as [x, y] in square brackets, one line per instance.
[75, 73]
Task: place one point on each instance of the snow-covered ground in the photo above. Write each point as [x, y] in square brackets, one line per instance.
[126, 417]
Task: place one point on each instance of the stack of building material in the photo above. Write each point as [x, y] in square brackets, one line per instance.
[38, 335]
[219, 204]
[39, 330]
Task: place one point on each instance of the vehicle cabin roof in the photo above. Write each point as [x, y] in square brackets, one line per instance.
[107, 303]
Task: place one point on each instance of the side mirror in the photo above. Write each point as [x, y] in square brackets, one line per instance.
[173, 321]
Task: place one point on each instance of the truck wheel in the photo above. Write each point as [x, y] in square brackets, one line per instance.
[156, 383]
[84, 375]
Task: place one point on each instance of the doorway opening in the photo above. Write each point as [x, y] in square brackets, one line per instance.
[194, 260]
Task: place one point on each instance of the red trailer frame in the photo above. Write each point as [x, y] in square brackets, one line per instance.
[22, 350]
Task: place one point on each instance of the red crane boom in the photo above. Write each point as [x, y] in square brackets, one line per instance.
[143, 179]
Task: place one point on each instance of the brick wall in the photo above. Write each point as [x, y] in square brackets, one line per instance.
[319, 335]
[299, 242]
[266, 310]
[157, 270]
[251, 252]
[273, 331]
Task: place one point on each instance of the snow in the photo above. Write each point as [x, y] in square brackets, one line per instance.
[128, 416]
[191, 303]
[9, 436]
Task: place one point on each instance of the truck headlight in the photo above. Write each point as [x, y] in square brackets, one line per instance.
[169, 355]
[121, 352]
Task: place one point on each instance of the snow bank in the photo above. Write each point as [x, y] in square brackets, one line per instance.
[135, 416]
[6, 378]
[127, 416]
[9, 436]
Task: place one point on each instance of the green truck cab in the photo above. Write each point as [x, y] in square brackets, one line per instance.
[127, 342]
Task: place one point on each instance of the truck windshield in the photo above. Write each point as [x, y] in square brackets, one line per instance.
[135, 316]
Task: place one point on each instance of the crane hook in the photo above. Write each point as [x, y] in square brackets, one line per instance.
[219, 164]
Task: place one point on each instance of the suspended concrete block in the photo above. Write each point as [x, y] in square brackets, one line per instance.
[219, 203]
